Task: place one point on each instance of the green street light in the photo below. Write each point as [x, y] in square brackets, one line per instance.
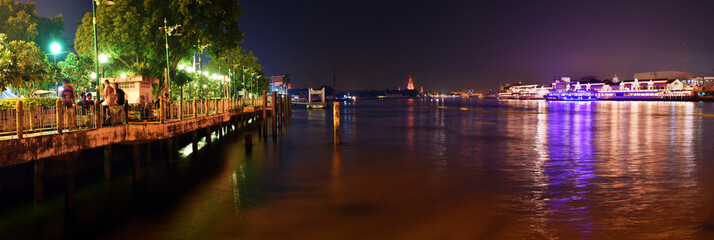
[55, 48]
[167, 31]
[94, 24]
[103, 58]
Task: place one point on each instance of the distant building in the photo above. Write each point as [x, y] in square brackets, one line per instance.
[135, 86]
[671, 75]
[410, 85]
[279, 84]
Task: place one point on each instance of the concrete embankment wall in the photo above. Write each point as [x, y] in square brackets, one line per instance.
[19, 151]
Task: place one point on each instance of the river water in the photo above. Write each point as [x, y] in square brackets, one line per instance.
[420, 169]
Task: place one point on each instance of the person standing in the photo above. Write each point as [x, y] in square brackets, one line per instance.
[121, 96]
[68, 100]
[109, 99]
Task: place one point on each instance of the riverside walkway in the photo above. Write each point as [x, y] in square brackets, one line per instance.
[37, 133]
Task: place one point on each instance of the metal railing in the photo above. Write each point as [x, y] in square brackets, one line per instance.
[34, 121]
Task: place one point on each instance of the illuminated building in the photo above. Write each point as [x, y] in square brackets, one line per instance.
[410, 85]
[650, 89]
[279, 84]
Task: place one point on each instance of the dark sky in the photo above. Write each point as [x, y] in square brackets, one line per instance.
[463, 44]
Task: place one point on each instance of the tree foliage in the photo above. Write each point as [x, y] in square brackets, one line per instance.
[16, 20]
[20, 22]
[245, 68]
[5, 62]
[131, 31]
[77, 69]
[28, 68]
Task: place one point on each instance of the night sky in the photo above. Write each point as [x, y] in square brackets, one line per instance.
[462, 44]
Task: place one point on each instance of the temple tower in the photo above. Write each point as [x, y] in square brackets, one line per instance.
[410, 86]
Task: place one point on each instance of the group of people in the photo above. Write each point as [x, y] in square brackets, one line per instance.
[112, 95]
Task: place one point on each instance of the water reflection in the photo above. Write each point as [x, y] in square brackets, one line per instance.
[453, 169]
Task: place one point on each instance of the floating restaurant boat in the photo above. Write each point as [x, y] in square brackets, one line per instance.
[654, 89]
[523, 92]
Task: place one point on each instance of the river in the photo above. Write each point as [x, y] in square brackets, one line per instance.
[418, 169]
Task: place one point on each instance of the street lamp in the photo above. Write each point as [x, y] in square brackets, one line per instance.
[103, 58]
[55, 48]
[167, 31]
[94, 24]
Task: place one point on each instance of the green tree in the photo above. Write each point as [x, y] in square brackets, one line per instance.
[20, 22]
[77, 69]
[131, 31]
[17, 20]
[50, 30]
[29, 67]
[5, 62]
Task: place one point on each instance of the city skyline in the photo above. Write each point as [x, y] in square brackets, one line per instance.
[462, 44]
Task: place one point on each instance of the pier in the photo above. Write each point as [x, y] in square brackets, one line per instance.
[31, 142]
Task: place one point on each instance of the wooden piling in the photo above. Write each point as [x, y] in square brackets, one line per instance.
[336, 121]
[136, 150]
[39, 178]
[108, 162]
[147, 152]
[272, 113]
[277, 108]
[208, 134]
[264, 121]
[69, 187]
[248, 141]
[194, 134]
[170, 150]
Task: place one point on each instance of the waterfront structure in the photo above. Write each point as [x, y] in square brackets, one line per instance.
[135, 87]
[647, 89]
[278, 83]
[525, 92]
[410, 85]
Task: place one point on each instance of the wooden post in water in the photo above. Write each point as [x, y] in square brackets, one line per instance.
[170, 149]
[108, 162]
[208, 135]
[19, 117]
[290, 106]
[147, 151]
[336, 121]
[136, 150]
[286, 106]
[248, 141]
[194, 134]
[277, 108]
[69, 190]
[273, 114]
[59, 116]
[39, 180]
[264, 122]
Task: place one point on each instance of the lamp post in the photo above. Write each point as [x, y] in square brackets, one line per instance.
[167, 31]
[103, 58]
[94, 24]
[55, 48]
